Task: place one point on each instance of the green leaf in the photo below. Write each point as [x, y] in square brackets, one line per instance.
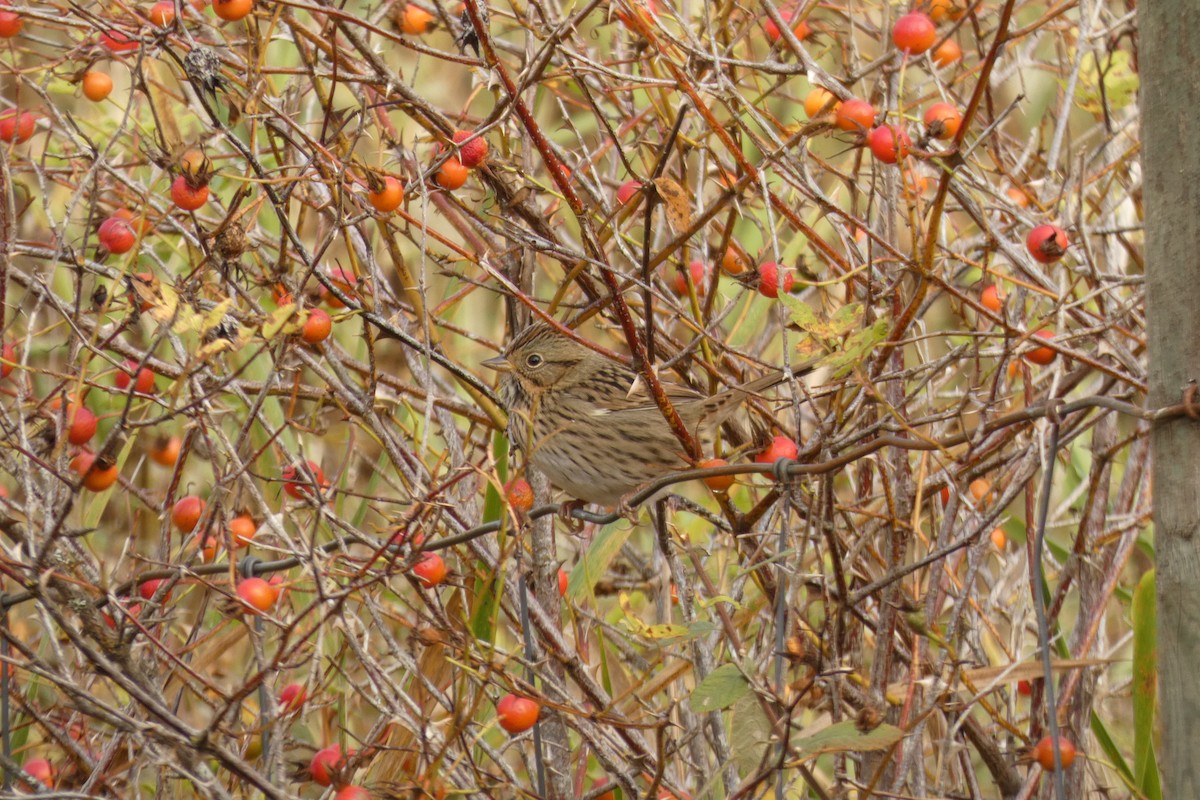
[486, 600]
[1112, 82]
[1111, 750]
[750, 733]
[595, 561]
[277, 320]
[723, 687]
[1145, 685]
[845, 737]
[801, 312]
[856, 348]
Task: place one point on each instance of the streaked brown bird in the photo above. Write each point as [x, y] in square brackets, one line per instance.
[580, 421]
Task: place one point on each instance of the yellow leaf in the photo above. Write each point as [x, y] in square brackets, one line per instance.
[675, 201]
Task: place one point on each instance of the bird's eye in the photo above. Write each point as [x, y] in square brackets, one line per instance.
[534, 360]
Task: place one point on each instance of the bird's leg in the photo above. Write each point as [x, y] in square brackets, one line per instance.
[566, 512]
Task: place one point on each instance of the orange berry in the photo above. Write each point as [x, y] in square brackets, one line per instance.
[519, 494]
[855, 115]
[914, 33]
[416, 20]
[257, 593]
[942, 10]
[430, 570]
[819, 101]
[162, 13]
[232, 10]
[1043, 753]
[979, 488]
[387, 199]
[947, 53]
[98, 474]
[187, 512]
[317, 327]
[991, 298]
[1042, 356]
[242, 529]
[96, 85]
[517, 714]
[942, 121]
[733, 262]
[452, 174]
[165, 450]
[718, 483]
[780, 447]
[999, 539]
[187, 195]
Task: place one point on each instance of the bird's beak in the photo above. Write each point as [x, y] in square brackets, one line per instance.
[499, 363]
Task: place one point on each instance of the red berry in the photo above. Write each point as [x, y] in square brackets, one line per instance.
[516, 713]
[9, 354]
[148, 588]
[889, 143]
[187, 512]
[298, 482]
[788, 12]
[10, 22]
[1043, 753]
[143, 383]
[430, 570]
[257, 593]
[855, 115]
[1024, 688]
[474, 152]
[345, 281]
[187, 196]
[292, 697]
[627, 190]
[116, 235]
[698, 272]
[324, 763]
[118, 42]
[772, 279]
[914, 33]
[563, 582]
[352, 793]
[81, 424]
[942, 121]
[40, 770]
[17, 126]
[1047, 243]
[519, 494]
[780, 447]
